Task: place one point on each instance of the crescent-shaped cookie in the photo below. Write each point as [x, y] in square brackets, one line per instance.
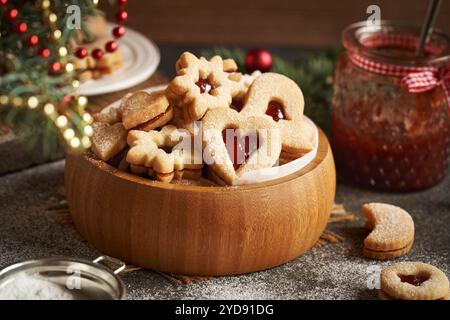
[392, 232]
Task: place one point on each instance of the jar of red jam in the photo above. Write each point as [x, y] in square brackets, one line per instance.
[391, 115]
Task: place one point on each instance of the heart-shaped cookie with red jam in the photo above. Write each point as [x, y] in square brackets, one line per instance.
[235, 143]
[280, 98]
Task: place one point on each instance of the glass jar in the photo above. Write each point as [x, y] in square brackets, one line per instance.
[384, 136]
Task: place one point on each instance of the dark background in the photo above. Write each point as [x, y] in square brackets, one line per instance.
[294, 23]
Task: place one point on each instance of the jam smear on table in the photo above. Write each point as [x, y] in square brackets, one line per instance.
[275, 110]
[204, 85]
[415, 280]
[241, 148]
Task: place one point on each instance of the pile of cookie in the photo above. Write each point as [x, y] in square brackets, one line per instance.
[211, 124]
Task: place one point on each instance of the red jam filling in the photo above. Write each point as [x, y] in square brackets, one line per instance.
[241, 148]
[237, 104]
[275, 110]
[413, 279]
[204, 85]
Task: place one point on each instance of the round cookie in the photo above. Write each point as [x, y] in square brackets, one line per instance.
[413, 281]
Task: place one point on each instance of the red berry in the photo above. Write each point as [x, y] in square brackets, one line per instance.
[3, 2]
[111, 46]
[33, 40]
[81, 53]
[21, 27]
[121, 16]
[97, 54]
[44, 52]
[12, 14]
[122, 2]
[56, 66]
[118, 31]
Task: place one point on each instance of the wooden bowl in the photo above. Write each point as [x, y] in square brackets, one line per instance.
[197, 230]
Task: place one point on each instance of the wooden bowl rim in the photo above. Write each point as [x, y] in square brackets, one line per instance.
[109, 169]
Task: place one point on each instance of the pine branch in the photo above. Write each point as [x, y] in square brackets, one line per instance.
[23, 73]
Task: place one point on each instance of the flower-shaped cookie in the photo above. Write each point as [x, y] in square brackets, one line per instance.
[164, 154]
[201, 85]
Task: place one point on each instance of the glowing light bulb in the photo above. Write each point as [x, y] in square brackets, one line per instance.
[69, 67]
[33, 102]
[86, 142]
[52, 18]
[75, 83]
[62, 51]
[87, 118]
[75, 142]
[49, 108]
[61, 121]
[88, 130]
[69, 134]
[82, 101]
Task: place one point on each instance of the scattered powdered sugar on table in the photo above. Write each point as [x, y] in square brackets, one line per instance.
[29, 287]
[336, 271]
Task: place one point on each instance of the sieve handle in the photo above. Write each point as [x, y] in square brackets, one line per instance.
[114, 264]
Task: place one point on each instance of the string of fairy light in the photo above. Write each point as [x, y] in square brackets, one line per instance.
[62, 120]
[60, 63]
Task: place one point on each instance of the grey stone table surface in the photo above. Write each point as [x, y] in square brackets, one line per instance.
[336, 271]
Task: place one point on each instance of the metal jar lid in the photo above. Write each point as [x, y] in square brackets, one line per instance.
[83, 280]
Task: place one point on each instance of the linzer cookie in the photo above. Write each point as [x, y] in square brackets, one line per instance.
[108, 140]
[241, 84]
[155, 153]
[200, 85]
[229, 65]
[111, 117]
[145, 111]
[281, 99]
[413, 281]
[235, 143]
[392, 232]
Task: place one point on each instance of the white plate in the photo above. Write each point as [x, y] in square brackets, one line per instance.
[266, 174]
[141, 58]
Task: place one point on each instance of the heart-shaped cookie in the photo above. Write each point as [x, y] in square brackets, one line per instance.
[280, 98]
[108, 140]
[235, 143]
